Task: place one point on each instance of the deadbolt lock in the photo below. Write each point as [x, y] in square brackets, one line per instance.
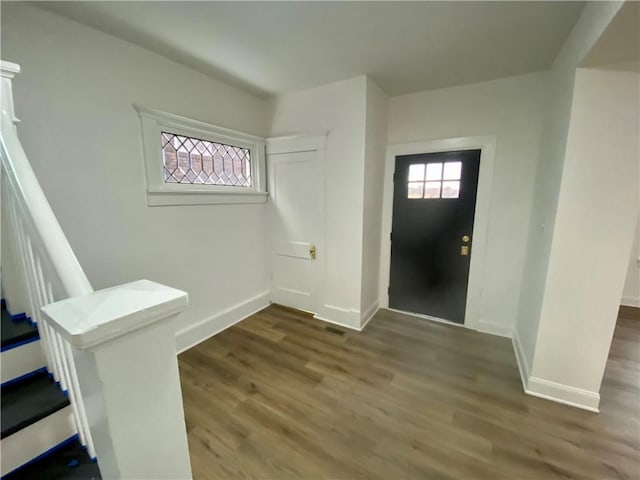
[312, 252]
[464, 250]
[466, 238]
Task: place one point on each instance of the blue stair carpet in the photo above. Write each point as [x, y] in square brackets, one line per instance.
[69, 462]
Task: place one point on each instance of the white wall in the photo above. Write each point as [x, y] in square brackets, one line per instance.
[374, 158]
[557, 102]
[510, 109]
[631, 291]
[82, 136]
[540, 230]
[593, 230]
[338, 108]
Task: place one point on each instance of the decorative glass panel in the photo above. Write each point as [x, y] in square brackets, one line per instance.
[416, 172]
[197, 161]
[452, 171]
[431, 189]
[415, 189]
[450, 189]
[434, 171]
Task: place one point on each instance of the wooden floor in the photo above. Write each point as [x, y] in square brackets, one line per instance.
[281, 395]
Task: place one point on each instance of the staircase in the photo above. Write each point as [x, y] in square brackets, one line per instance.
[42, 408]
[115, 347]
[38, 437]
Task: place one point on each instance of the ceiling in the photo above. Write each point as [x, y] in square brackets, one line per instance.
[271, 48]
[618, 48]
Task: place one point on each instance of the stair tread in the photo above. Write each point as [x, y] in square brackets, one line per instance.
[16, 331]
[57, 466]
[28, 401]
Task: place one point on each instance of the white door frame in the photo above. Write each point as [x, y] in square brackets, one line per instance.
[304, 143]
[487, 145]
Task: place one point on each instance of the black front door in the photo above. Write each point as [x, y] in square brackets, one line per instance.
[433, 207]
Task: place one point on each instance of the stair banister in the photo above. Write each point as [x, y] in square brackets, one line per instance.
[131, 376]
[50, 269]
[31, 198]
[113, 350]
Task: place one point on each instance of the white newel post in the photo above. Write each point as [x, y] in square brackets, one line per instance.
[128, 374]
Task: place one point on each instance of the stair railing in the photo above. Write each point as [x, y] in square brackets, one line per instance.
[115, 347]
[49, 267]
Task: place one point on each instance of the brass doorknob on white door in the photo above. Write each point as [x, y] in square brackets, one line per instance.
[312, 252]
[466, 238]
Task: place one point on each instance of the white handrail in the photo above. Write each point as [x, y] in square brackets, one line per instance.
[31, 198]
[50, 269]
[90, 338]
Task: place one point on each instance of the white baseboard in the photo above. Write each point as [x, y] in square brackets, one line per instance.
[521, 359]
[345, 317]
[194, 334]
[630, 302]
[34, 440]
[492, 328]
[368, 314]
[21, 360]
[556, 392]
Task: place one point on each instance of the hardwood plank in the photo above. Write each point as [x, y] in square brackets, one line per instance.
[632, 313]
[283, 395]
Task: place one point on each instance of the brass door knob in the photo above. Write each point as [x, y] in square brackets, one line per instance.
[466, 238]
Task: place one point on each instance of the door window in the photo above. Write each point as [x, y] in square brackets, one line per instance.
[434, 180]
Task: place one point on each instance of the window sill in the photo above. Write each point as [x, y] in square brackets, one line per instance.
[159, 198]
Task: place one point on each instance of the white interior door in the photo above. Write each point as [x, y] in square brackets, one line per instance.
[295, 221]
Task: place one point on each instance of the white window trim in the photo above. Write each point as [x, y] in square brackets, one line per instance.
[159, 193]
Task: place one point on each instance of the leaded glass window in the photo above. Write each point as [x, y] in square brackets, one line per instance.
[196, 161]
